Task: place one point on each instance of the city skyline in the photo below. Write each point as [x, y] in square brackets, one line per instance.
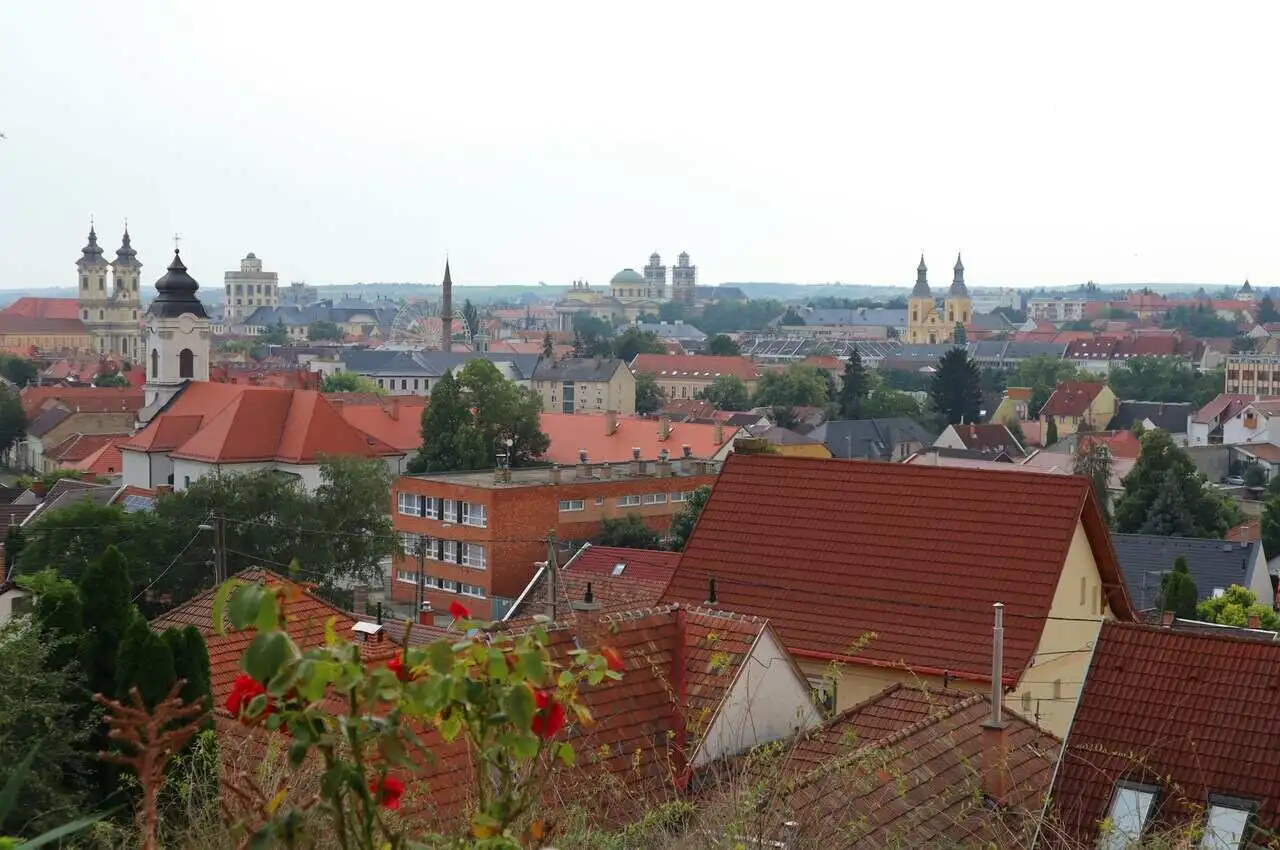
[835, 143]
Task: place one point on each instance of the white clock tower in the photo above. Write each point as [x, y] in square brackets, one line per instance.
[178, 332]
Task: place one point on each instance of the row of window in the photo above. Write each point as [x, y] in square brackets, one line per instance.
[453, 551]
[102, 315]
[1226, 823]
[390, 383]
[445, 584]
[248, 289]
[449, 510]
[570, 505]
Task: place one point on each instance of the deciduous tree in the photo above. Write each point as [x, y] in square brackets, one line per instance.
[1166, 494]
[723, 345]
[683, 522]
[1235, 607]
[649, 398]
[629, 531]
[798, 386]
[633, 341]
[727, 392]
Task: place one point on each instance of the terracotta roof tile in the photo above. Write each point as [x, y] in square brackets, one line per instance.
[106, 461]
[78, 447]
[1072, 398]
[44, 308]
[695, 366]
[1192, 713]
[571, 433]
[82, 399]
[1223, 405]
[395, 420]
[819, 547]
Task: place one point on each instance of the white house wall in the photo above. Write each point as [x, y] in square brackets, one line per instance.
[768, 701]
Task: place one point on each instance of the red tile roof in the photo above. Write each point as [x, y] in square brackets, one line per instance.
[1072, 398]
[571, 433]
[1192, 713]
[1019, 393]
[1147, 345]
[106, 461]
[641, 564]
[395, 420]
[1222, 406]
[1100, 348]
[233, 423]
[638, 585]
[1246, 532]
[922, 787]
[294, 379]
[684, 409]
[44, 308]
[82, 399]
[698, 366]
[14, 324]
[819, 547]
[1262, 451]
[1120, 443]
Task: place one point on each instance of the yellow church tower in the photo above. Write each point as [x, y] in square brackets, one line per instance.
[926, 324]
[959, 304]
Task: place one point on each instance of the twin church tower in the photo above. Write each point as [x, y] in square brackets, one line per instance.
[929, 322]
[174, 343]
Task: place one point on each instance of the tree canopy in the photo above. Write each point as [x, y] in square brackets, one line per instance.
[18, 370]
[633, 341]
[1166, 494]
[683, 522]
[729, 316]
[13, 422]
[1168, 379]
[470, 419]
[350, 382]
[1235, 607]
[276, 334]
[727, 392]
[629, 531]
[1094, 463]
[1199, 321]
[1041, 373]
[649, 398]
[1178, 591]
[724, 346]
[799, 385]
[855, 386]
[324, 331]
[956, 391]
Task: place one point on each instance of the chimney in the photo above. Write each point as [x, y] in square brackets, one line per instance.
[584, 468]
[425, 617]
[664, 427]
[610, 422]
[588, 602]
[719, 433]
[635, 460]
[711, 592]
[395, 408]
[1255, 622]
[996, 779]
[555, 473]
[1166, 619]
[686, 450]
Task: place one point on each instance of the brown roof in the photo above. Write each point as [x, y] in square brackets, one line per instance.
[44, 308]
[82, 399]
[1223, 405]
[822, 548]
[1072, 398]
[1192, 713]
[13, 324]
[989, 438]
[78, 447]
[638, 585]
[922, 787]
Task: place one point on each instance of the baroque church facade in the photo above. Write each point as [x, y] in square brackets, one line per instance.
[110, 309]
[930, 322]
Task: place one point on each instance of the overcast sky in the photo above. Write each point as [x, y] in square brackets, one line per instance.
[805, 142]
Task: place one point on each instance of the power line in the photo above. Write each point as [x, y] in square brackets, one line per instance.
[172, 563]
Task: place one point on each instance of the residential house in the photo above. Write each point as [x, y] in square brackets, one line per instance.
[986, 439]
[479, 534]
[96, 455]
[14, 601]
[825, 550]
[416, 372]
[212, 428]
[1170, 417]
[785, 442]
[873, 439]
[1076, 403]
[1206, 425]
[66, 492]
[55, 414]
[1254, 422]
[1265, 455]
[588, 384]
[685, 377]
[1014, 407]
[1215, 565]
[597, 580]
[611, 438]
[1049, 463]
[1171, 742]
[1119, 443]
[914, 767]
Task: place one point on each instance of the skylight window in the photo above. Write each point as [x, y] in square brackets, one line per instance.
[618, 568]
[1227, 823]
[1130, 808]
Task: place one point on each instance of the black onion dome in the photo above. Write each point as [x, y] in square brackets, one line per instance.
[177, 293]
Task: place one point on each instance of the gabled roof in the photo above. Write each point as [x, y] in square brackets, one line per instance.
[697, 366]
[825, 543]
[621, 580]
[15, 324]
[82, 399]
[1191, 713]
[586, 369]
[395, 420]
[571, 433]
[922, 786]
[988, 438]
[1170, 417]
[44, 308]
[1072, 398]
[79, 446]
[1221, 407]
[1120, 443]
[233, 423]
[869, 438]
[1214, 564]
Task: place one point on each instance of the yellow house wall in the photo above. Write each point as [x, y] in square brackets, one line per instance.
[1051, 687]
[856, 683]
[803, 450]
[1102, 411]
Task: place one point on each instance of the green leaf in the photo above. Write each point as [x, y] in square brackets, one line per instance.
[220, 605]
[595, 675]
[441, 656]
[525, 746]
[266, 655]
[244, 605]
[451, 726]
[497, 665]
[60, 832]
[534, 669]
[13, 787]
[517, 704]
[566, 678]
[268, 619]
[565, 753]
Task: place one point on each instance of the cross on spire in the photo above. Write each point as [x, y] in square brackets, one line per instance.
[177, 239]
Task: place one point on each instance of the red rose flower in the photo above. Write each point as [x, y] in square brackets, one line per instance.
[396, 665]
[549, 718]
[613, 659]
[387, 791]
[242, 693]
[459, 611]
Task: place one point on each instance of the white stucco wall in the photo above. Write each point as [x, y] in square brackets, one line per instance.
[769, 700]
[7, 601]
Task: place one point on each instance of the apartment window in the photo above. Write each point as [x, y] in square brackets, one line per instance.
[473, 514]
[1130, 809]
[404, 383]
[415, 383]
[599, 501]
[682, 496]
[409, 504]
[407, 576]
[447, 550]
[409, 543]
[471, 590]
[655, 498]
[430, 507]
[448, 509]
[1227, 823]
[473, 555]
[628, 501]
[380, 384]
[823, 690]
[572, 505]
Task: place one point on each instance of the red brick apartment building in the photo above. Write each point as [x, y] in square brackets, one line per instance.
[484, 532]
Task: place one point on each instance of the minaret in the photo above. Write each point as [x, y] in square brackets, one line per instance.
[177, 338]
[959, 304]
[919, 305]
[446, 311]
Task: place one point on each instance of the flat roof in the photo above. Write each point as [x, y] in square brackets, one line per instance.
[594, 473]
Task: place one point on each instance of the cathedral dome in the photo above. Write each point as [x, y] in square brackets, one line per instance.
[176, 293]
[627, 277]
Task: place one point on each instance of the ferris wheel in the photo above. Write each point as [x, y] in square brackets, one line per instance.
[417, 325]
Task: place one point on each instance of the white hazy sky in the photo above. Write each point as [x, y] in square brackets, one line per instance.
[805, 142]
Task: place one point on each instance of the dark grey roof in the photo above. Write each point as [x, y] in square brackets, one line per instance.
[176, 293]
[873, 439]
[990, 322]
[680, 331]
[47, 420]
[291, 315]
[577, 369]
[778, 436]
[91, 254]
[923, 353]
[430, 364]
[718, 293]
[873, 317]
[1169, 417]
[1213, 563]
[126, 256]
[8, 494]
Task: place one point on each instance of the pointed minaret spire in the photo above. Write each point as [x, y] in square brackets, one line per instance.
[91, 254]
[446, 310]
[958, 288]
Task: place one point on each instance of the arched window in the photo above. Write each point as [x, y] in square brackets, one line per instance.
[102, 314]
[155, 363]
[186, 364]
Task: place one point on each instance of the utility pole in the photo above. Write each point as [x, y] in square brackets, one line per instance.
[219, 547]
[553, 576]
[422, 566]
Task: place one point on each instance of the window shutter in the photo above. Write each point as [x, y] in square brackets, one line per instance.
[423, 501]
[457, 552]
[459, 511]
[439, 550]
